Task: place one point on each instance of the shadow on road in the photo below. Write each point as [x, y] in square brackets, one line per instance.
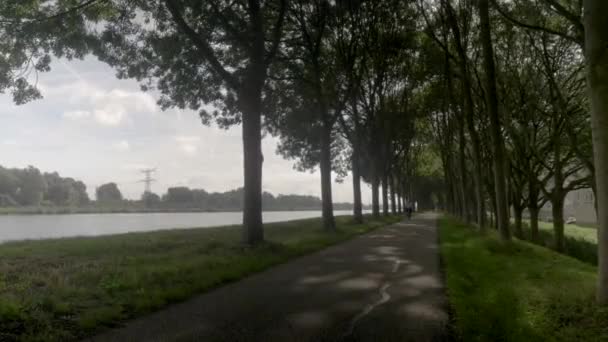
[383, 286]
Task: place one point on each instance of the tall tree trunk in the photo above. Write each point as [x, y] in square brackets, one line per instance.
[399, 199]
[393, 196]
[533, 195]
[453, 199]
[496, 134]
[518, 213]
[357, 206]
[466, 215]
[469, 111]
[253, 230]
[404, 193]
[385, 194]
[557, 197]
[534, 234]
[596, 53]
[356, 164]
[326, 198]
[449, 189]
[375, 194]
[557, 210]
[493, 204]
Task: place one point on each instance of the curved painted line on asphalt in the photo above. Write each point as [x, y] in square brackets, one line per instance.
[396, 265]
[384, 297]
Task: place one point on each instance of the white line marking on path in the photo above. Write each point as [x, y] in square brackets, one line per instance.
[384, 297]
[396, 265]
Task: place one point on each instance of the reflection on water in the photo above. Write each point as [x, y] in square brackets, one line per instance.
[21, 227]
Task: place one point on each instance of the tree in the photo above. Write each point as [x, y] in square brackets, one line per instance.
[31, 186]
[227, 46]
[9, 183]
[596, 54]
[495, 125]
[31, 31]
[65, 191]
[317, 85]
[179, 195]
[108, 193]
[348, 39]
[150, 199]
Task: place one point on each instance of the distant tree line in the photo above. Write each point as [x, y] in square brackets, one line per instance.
[199, 199]
[31, 187]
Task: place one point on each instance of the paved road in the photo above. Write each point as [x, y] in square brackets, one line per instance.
[383, 286]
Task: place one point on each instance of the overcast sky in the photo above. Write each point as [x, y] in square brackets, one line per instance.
[93, 127]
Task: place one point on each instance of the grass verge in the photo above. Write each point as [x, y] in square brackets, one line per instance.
[579, 242]
[66, 289]
[517, 291]
[588, 234]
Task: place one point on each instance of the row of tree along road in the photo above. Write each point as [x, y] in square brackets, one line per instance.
[508, 99]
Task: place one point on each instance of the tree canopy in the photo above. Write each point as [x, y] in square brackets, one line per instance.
[485, 108]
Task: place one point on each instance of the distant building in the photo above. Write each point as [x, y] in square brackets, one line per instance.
[579, 204]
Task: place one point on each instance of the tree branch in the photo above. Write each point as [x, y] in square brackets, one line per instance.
[203, 46]
[276, 33]
[519, 23]
[571, 17]
[57, 15]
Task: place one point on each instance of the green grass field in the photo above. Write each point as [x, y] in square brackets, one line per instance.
[577, 232]
[517, 291]
[66, 289]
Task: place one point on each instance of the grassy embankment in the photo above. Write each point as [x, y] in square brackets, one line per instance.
[579, 242]
[571, 230]
[61, 290]
[517, 291]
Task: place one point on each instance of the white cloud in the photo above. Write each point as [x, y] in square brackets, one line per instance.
[76, 114]
[189, 149]
[135, 166]
[109, 117]
[187, 139]
[109, 107]
[122, 145]
[9, 142]
[188, 144]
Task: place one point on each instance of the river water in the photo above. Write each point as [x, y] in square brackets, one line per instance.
[26, 227]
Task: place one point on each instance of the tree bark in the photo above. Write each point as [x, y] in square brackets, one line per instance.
[399, 200]
[518, 213]
[329, 223]
[533, 207]
[596, 54]
[494, 222]
[557, 199]
[469, 111]
[375, 193]
[393, 196]
[384, 194]
[357, 206]
[496, 135]
[534, 236]
[557, 211]
[251, 108]
[465, 214]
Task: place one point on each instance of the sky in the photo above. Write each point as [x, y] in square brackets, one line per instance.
[98, 129]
